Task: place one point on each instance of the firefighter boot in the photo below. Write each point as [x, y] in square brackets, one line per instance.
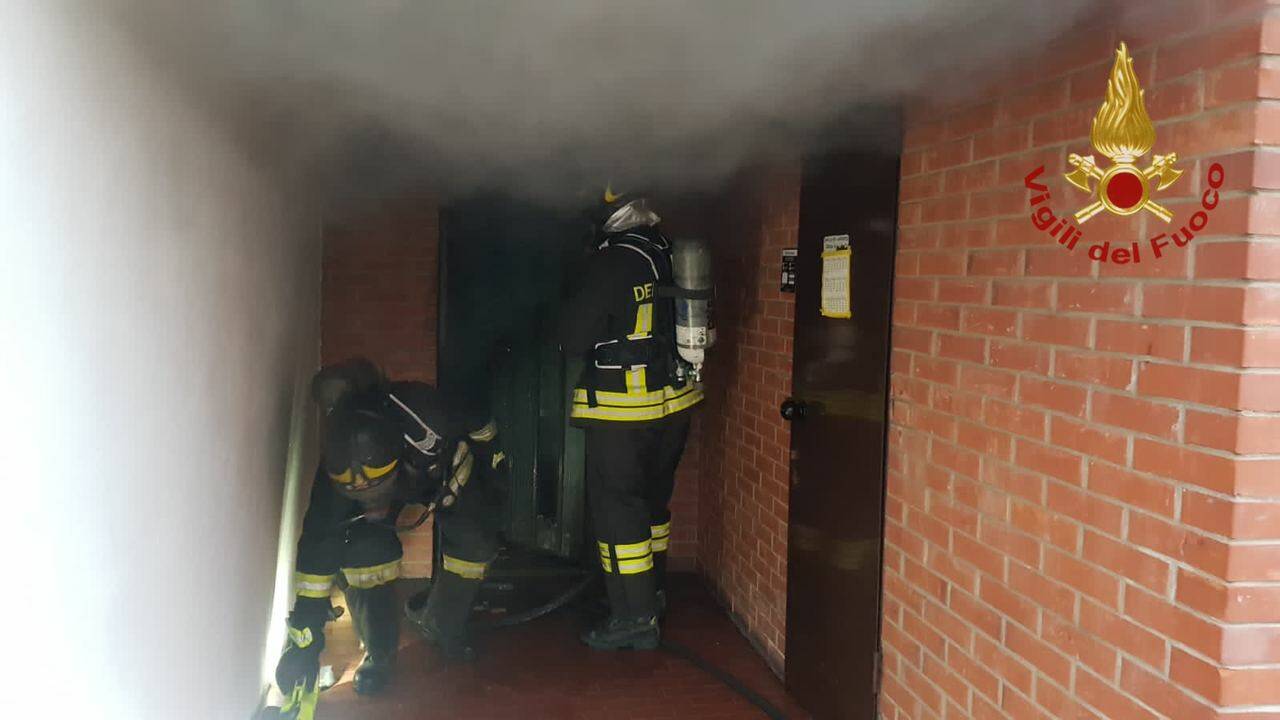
[373, 612]
[633, 622]
[660, 582]
[443, 622]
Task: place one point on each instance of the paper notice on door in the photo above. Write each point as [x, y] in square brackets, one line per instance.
[836, 277]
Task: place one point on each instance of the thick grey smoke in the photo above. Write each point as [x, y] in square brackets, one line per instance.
[359, 98]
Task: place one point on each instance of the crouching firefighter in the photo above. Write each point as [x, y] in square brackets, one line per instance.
[638, 383]
[385, 446]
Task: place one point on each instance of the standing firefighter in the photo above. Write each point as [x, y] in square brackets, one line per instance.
[387, 445]
[633, 401]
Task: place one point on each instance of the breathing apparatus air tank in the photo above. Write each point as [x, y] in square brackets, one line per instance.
[695, 327]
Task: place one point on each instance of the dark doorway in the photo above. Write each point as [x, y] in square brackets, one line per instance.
[839, 424]
[504, 264]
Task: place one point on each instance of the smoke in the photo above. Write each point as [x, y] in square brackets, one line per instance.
[359, 99]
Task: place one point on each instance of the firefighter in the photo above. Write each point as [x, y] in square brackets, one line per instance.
[387, 445]
[632, 400]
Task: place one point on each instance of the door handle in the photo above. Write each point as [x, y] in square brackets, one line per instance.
[793, 409]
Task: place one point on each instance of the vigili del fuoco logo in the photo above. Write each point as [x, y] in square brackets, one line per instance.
[1122, 131]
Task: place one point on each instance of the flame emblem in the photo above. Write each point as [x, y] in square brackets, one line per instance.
[1122, 131]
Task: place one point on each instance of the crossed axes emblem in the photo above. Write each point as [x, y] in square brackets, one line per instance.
[1086, 169]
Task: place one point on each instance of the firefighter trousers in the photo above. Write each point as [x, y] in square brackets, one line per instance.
[630, 474]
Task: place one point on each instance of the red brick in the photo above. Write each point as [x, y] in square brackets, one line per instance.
[1085, 508]
[1172, 622]
[1111, 298]
[1260, 392]
[1096, 442]
[1042, 591]
[1019, 357]
[962, 291]
[980, 616]
[1209, 50]
[960, 347]
[912, 163]
[1208, 387]
[1059, 704]
[1205, 303]
[1016, 705]
[1068, 125]
[1053, 395]
[1161, 694]
[1238, 261]
[942, 317]
[997, 203]
[1091, 581]
[1237, 519]
[1040, 655]
[978, 676]
[979, 556]
[1137, 567]
[1134, 414]
[949, 625]
[946, 155]
[1108, 701]
[995, 262]
[1234, 433]
[1126, 635]
[961, 404]
[983, 440]
[1163, 341]
[1229, 129]
[1256, 645]
[1175, 99]
[1001, 141]
[918, 238]
[968, 235]
[1060, 531]
[915, 289]
[1027, 294]
[1055, 330]
[990, 322]
[950, 683]
[955, 459]
[1070, 640]
[913, 339]
[1237, 347]
[1014, 171]
[1015, 419]
[942, 262]
[1213, 472]
[996, 659]
[1251, 686]
[978, 176]
[924, 690]
[1009, 604]
[1254, 563]
[1065, 466]
[1014, 481]
[1093, 369]
[920, 187]
[1056, 262]
[945, 208]
[995, 383]
[1177, 543]
[1252, 604]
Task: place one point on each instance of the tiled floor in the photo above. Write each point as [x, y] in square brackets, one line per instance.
[539, 671]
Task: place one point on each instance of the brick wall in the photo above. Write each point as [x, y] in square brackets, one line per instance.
[380, 296]
[1084, 496]
[745, 445]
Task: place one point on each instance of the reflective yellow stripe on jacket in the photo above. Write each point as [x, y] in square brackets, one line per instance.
[373, 575]
[651, 405]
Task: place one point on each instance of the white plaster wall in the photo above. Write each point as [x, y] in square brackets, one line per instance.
[159, 311]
